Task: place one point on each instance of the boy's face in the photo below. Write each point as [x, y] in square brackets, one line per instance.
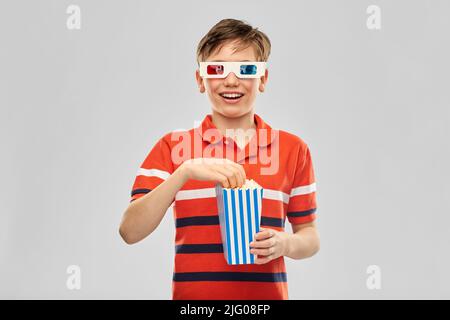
[215, 88]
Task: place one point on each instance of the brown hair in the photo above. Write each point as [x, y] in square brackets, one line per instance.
[232, 29]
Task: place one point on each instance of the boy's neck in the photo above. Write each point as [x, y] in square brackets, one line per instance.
[245, 122]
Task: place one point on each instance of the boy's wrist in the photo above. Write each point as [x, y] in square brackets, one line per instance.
[183, 172]
[287, 244]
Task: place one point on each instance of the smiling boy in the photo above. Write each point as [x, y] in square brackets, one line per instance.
[235, 144]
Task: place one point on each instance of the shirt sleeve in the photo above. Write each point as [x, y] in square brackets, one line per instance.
[155, 169]
[302, 201]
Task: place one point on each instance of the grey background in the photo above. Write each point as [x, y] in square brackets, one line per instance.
[81, 109]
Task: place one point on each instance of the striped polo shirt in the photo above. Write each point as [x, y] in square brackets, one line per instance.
[200, 270]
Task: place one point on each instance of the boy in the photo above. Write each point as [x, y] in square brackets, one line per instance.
[183, 167]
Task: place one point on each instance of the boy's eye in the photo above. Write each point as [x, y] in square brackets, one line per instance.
[248, 69]
[214, 69]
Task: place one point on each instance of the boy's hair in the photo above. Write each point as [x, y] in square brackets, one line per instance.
[230, 30]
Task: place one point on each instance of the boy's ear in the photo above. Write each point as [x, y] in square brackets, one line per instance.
[262, 84]
[200, 83]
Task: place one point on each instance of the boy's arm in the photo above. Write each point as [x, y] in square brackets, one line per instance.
[304, 242]
[144, 214]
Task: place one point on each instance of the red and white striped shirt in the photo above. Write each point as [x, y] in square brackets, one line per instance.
[200, 270]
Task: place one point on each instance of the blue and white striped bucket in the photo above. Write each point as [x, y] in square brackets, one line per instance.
[240, 219]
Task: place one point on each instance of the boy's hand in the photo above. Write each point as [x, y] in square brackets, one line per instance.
[230, 174]
[269, 244]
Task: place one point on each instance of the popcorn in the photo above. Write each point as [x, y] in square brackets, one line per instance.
[250, 184]
[240, 219]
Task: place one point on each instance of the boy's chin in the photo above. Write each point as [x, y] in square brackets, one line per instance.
[232, 111]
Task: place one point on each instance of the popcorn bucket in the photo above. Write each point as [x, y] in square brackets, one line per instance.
[240, 219]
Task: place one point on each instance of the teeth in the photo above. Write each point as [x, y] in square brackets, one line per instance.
[231, 95]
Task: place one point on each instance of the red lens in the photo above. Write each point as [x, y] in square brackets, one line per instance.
[214, 69]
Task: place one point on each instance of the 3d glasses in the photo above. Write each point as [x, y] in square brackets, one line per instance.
[244, 70]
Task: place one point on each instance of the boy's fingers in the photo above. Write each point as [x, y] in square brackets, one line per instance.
[232, 178]
[242, 173]
[220, 178]
[263, 251]
[231, 173]
[240, 181]
[267, 229]
[240, 168]
[233, 164]
[234, 172]
[224, 171]
[267, 243]
[265, 234]
[235, 175]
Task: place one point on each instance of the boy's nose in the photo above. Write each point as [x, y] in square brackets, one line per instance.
[231, 79]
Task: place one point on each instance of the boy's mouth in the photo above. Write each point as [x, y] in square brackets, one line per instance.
[231, 97]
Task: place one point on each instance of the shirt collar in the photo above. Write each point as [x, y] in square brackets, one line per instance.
[263, 139]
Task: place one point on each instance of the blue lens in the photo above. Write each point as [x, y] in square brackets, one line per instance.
[248, 69]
